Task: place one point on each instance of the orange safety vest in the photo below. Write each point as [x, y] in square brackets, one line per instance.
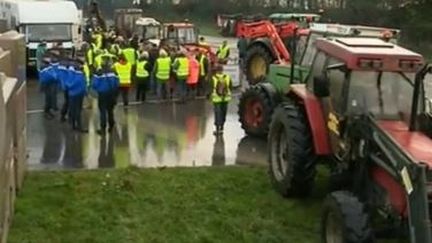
[194, 71]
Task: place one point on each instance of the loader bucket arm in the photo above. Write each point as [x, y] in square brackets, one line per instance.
[266, 29]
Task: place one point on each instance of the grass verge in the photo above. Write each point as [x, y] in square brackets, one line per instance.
[234, 204]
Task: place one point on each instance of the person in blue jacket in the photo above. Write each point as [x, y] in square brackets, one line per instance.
[106, 83]
[76, 88]
[64, 73]
[48, 80]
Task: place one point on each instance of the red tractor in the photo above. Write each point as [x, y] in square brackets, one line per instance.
[257, 102]
[364, 114]
[268, 43]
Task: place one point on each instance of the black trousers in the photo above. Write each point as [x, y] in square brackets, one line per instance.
[220, 112]
[75, 109]
[124, 92]
[141, 88]
[65, 108]
[106, 103]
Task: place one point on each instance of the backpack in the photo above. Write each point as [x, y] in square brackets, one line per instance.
[221, 86]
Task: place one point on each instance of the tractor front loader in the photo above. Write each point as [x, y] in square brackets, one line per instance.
[363, 114]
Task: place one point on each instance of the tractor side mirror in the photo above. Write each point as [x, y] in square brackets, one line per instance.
[321, 86]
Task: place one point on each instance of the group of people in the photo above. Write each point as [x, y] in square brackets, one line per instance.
[111, 68]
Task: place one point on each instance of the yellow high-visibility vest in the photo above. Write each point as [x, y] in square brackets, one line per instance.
[98, 41]
[223, 52]
[202, 65]
[183, 67]
[86, 70]
[124, 73]
[90, 56]
[163, 68]
[216, 98]
[99, 58]
[141, 72]
[130, 55]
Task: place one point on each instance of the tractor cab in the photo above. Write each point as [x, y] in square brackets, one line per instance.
[149, 29]
[303, 19]
[364, 113]
[180, 33]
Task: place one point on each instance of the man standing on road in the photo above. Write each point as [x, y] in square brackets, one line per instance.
[40, 53]
[124, 71]
[106, 84]
[142, 76]
[162, 71]
[242, 47]
[204, 70]
[181, 69]
[221, 96]
[47, 80]
[223, 52]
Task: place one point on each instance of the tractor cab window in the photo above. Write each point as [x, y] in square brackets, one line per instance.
[187, 35]
[337, 77]
[310, 51]
[386, 95]
[317, 69]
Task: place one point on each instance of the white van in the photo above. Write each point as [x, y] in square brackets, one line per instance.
[52, 21]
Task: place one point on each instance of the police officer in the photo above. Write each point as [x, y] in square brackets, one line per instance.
[223, 52]
[142, 75]
[123, 68]
[162, 70]
[181, 69]
[76, 88]
[220, 96]
[48, 78]
[106, 83]
[63, 74]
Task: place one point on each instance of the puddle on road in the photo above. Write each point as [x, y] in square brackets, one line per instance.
[150, 135]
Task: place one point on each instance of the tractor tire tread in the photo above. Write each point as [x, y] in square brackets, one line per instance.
[302, 157]
[354, 216]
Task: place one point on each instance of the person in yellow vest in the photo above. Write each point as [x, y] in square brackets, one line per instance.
[181, 69]
[130, 54]
[142, 75]
[115, 49]
[162, 71]
[89, 54]
[223, 53]
[124, 73]
[203, 75]
[98, 38]
[103, 53]
[220, 97]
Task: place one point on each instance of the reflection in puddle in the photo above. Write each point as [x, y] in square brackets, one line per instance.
[150, 135]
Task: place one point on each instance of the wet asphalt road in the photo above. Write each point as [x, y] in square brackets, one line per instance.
[146, 135]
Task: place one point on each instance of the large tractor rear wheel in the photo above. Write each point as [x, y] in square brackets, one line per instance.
[258, 59]
[345, 220]
[255, 111]
[292, 158]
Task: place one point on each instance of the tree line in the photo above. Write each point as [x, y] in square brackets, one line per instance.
[411, 16]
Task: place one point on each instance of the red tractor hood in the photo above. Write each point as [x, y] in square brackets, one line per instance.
[416, 144]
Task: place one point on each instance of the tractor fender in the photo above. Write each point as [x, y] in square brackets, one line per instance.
[315, 116]
[270, 90]
[264, 42]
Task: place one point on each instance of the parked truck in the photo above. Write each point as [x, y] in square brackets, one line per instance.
[55, 22]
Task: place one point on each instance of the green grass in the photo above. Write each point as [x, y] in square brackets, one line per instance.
[234, 204]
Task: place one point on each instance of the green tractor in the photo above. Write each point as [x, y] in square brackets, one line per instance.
[362, 113]
[258, 102]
